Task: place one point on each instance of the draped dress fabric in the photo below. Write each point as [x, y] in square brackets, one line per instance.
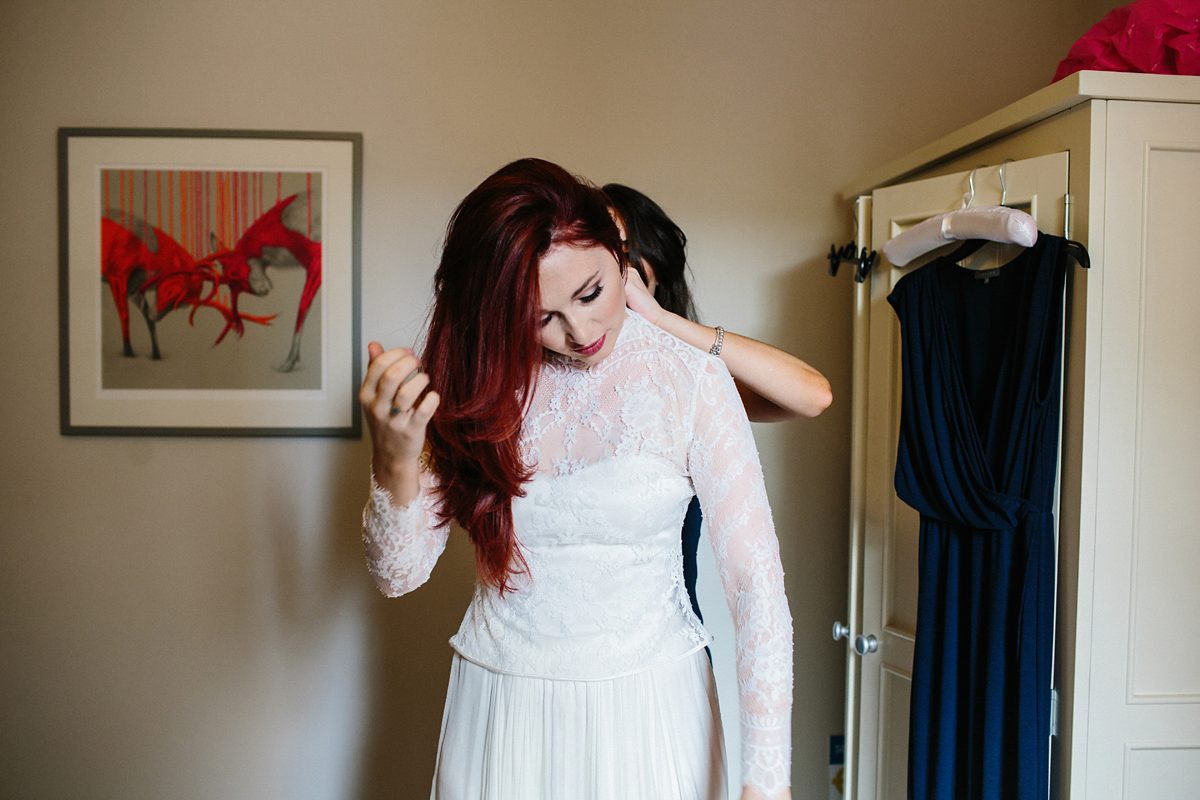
[588, 680]
[981, 363]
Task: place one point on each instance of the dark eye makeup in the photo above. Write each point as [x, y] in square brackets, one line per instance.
[586, 299]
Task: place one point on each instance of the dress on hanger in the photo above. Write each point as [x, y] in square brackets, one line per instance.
[588, 679]
[977, 456]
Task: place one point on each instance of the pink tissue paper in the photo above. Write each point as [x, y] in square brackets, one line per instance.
[1159, 36]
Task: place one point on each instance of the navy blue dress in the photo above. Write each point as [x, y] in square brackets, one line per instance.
[691, 544]
[977, 456]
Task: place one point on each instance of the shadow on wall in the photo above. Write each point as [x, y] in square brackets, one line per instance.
[810, 316]
[407, 690]
[361, 677]
[317, 588]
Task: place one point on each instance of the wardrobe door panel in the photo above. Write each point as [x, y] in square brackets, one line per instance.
[1145, 679]
[1161, 773]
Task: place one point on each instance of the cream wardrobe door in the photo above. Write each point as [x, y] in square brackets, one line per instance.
[884, 635]
[1143, 730]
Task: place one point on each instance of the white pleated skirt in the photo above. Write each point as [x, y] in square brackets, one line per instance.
[655, 734]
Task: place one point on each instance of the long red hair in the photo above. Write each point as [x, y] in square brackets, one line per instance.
[482, 349]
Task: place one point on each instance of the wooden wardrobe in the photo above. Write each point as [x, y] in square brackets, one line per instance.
[1111, 160]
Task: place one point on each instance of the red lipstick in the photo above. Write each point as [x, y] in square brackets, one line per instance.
[592, 348]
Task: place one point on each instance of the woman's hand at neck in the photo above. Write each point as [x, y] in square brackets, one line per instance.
[774, 385]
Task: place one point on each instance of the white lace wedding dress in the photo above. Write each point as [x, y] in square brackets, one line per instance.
[589, 680]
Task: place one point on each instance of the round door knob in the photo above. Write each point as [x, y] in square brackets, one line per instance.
[840, 631]
[865, 644]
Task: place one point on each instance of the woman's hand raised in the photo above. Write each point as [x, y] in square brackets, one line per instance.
[396, 416]
[639, 299]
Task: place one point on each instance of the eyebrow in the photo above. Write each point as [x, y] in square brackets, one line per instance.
[586, 284]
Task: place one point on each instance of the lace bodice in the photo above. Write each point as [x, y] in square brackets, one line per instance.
[618, 450]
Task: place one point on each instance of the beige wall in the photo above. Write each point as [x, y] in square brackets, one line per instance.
[191, 617]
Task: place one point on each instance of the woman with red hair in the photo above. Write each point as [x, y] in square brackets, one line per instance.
[567, 435]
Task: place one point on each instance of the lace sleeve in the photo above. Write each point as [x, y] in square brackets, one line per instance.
[402, 544]
[724, 466]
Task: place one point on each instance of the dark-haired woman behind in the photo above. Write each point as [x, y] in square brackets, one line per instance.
[774, 385]
[566, 434]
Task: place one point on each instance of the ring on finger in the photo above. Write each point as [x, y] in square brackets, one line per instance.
[395, 408]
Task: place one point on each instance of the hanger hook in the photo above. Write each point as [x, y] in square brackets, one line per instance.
[970, 198]
[1003, 185]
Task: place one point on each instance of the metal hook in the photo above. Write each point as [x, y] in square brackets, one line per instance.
[970, 197]
[1003, 185]
[863, 260]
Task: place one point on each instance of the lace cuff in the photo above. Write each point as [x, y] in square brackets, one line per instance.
[401, 547]
[766, 752]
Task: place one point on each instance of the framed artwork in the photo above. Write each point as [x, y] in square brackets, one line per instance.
[209, 282]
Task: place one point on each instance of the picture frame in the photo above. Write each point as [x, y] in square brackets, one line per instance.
[209, 282]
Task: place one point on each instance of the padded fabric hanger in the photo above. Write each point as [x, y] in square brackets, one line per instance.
[990, 223]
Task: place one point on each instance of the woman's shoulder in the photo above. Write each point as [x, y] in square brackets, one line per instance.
[646, 337]
[667, 354]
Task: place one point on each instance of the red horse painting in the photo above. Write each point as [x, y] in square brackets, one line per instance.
[286, 236]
